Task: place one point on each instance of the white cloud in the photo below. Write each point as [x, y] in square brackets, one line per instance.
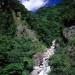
[33, 5]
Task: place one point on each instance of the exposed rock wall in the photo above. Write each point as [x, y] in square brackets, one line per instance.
[69, 32]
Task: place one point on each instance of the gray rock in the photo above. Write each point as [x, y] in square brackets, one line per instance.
[69, 32]
[34, 72]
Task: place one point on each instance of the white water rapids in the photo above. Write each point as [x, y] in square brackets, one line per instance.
[44, 69]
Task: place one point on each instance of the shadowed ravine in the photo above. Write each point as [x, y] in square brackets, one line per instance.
[44, 68]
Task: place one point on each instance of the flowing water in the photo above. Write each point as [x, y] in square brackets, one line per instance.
[44, 69]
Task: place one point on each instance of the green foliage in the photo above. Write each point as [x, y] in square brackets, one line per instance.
[61, 63]
[25, 72]
[7, 24]
[28, 62]
[16, 5]
[14, 68]
[48, 21]
[16, 50]
[16, 53]
[72, 40]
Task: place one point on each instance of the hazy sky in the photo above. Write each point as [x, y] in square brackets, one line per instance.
[33, 5]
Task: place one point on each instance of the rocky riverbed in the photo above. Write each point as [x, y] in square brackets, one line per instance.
[44, 68]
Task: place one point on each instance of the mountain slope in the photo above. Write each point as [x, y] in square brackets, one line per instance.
[18, 43]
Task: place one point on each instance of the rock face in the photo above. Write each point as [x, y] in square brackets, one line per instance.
[41, 66]
[38, 59]
[20, 30]
[69, 32]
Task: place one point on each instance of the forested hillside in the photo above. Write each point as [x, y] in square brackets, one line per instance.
[24, 33]
[48, 22]
[16, 45]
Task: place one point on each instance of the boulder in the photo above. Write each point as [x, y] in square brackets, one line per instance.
[69, 32]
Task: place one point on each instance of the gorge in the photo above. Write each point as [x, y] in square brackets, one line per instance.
[27, 44]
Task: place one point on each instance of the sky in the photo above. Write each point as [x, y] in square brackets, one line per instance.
[34, 5]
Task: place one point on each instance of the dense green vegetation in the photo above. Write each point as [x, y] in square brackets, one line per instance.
[63, 61]
[16, 53]
[48, 22]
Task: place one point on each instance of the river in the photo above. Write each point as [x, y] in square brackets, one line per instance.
[44, 68]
